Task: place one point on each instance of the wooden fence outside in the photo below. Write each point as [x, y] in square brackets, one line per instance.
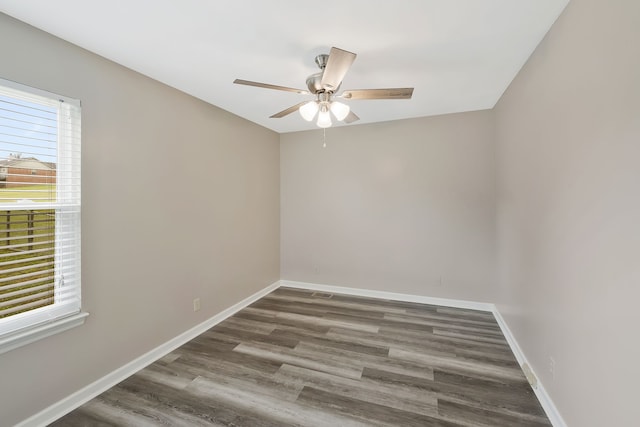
[27, 248]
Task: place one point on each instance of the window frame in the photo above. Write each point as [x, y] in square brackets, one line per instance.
[50, 320]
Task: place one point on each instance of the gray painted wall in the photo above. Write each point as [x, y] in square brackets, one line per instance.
[180, 199]
[405, 206]
[568, 133]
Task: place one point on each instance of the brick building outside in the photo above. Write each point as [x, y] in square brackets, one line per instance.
[16, 172]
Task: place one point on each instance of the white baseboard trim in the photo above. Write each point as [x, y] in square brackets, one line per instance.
[542, 395]
[472, 305]
[71, 402]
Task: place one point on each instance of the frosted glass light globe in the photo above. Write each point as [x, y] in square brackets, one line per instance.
[308, 111]
[324, 119]
[340, 110]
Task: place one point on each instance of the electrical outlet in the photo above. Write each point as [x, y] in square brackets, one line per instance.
[552, 367]
[196, 304]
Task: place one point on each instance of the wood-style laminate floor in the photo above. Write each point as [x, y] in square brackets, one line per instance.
[299, 358]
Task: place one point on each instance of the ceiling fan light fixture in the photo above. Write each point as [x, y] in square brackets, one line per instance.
[324, 118]
[340, 110]
[308, 111]
[325, 85]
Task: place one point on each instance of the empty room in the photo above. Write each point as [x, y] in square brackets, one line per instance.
[355, 213]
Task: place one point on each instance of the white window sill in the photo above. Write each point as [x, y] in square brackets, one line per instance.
[23, 337]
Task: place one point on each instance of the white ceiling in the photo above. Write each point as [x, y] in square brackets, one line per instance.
[459, 55]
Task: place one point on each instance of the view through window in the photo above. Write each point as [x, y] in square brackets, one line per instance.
[39, 207]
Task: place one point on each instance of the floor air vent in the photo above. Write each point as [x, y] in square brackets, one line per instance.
[324, 295]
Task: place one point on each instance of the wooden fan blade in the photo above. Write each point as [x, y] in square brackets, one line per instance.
[338, 64]
[351, 117]
[288, 111]
[392, 93]
[268, 86]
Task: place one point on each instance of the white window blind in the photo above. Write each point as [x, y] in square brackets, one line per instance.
[39, 208]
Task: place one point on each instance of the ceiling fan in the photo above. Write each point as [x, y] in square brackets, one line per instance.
[324, 85]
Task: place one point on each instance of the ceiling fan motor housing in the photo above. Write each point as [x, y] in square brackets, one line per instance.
[314, 80]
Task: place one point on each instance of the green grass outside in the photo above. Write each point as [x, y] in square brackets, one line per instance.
[28, 192]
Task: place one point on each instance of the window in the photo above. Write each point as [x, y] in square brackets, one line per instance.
[39, 214]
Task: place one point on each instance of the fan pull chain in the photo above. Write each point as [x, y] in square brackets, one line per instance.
[324, 138]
